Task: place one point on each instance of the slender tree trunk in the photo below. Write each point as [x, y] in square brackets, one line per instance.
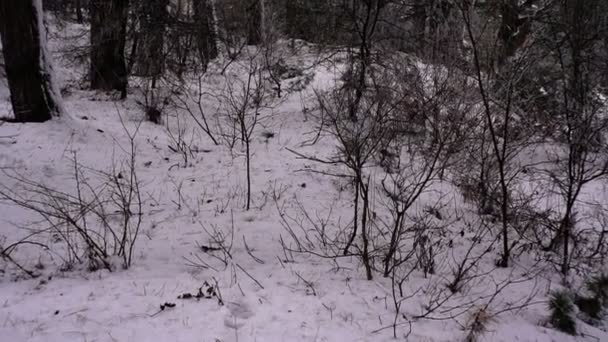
[131, 59]
[355, 219]
[499, 148]
[504, 213]
[108, 37]
[605, 70]
[254, 22]
[395, 235]
[78, 8]
[566, 231]
[34, 96]
[205, 31]
[248, 160]
[364, 231]
[150, 38]
[512, 33]
[291, 19]
[419, 24]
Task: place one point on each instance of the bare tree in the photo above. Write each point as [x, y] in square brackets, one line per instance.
[430, 126]
[581, 154]
[243, 101]
[500, 111]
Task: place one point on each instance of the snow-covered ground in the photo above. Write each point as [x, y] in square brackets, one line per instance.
[266, 294]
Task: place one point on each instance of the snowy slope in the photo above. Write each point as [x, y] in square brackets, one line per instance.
[267, 294]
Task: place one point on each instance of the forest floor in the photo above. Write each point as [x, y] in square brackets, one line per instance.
[262, 292]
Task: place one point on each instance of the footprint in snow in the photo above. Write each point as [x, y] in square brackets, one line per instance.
[238, 312]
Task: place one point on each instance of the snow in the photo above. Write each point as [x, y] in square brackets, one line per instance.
[268, 294]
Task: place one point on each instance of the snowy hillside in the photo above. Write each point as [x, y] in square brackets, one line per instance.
[203, 267]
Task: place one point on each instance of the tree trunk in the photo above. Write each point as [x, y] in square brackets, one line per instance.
[355, 220]
[605, 71]
[78, 8]
[34, 96]
[364, 231]
[108, 36]
[291, 19]
[206, 36]
[513, 32]
[152, 23]
[248, 160]
[419, 25]
[254, 22]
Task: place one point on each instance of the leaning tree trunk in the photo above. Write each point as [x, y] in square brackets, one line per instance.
[34, 96]
[108, 36]
[205, 31]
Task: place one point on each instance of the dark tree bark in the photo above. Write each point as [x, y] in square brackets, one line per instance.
[254, 22]
[152, 25]
[605, 71]
[78, 9]
[513, 31]
[317, 21]
[292, 19]
[28, 68]
[57, 6]
[438, 29]
[108, 36]
[419, 23]
[205, 30]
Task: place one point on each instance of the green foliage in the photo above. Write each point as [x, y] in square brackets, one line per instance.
[591, 306]
[562, 312]
[598, 286]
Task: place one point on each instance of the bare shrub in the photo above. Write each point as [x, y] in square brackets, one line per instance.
[242, 106]
[191, 98]
[477, 324]
[100, 218]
